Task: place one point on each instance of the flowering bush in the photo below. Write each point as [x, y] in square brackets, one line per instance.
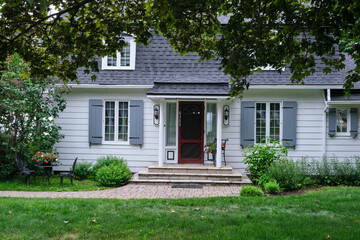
[211, 147]
[45, 158]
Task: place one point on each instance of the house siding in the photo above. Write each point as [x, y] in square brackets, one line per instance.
[309, 131]
[74, 122]
[343, 147]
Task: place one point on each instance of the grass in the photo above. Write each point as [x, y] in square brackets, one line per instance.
[38, 185]
[330, 212]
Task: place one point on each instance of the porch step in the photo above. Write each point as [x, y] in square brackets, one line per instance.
[190, 174]
[191, 168]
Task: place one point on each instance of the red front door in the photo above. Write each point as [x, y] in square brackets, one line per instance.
[191, 132]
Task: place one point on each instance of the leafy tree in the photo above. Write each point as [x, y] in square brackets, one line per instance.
[58, 36]
[259, 33]
[27, 110]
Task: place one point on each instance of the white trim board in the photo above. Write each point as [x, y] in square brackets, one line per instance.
[109, 86]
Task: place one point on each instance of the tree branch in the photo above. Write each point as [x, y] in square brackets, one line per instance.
[58, 14]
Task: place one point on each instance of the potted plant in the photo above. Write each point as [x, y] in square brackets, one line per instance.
[42, 158]
[211, 148]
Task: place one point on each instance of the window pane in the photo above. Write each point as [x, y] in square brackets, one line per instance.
[275, 121]
[125, 56]
[341, 121]
[170, 124]
[109, 121]
[111, 60]
[260, 122]
[210, 122]
[123, 121]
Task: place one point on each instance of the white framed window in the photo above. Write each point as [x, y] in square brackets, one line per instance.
[116, 125]
[124, 60]
[343, 121]
[267, 121]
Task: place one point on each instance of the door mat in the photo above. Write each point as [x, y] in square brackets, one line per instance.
[186, 186]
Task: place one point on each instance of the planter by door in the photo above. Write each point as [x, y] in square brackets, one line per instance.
[191, 132]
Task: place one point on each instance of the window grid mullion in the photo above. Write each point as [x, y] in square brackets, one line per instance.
[116, 121]
[267, 120]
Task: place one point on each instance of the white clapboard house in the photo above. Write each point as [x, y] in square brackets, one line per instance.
[158, 109]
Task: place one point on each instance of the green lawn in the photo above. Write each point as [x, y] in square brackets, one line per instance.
[333, 212]
[38, 185]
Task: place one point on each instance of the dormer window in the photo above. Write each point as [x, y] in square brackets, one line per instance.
[124, 60]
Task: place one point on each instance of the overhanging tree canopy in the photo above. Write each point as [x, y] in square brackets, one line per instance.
[259, 33]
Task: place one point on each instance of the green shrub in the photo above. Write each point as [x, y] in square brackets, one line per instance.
[83, 170]
[272, 187]
[332, 172]
[260, 157]
[287, 174]
[8, 166]
[113, 175]
[106, 161]
[251, 191]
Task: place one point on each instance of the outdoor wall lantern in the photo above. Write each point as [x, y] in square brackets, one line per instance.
[156, 118]
[226, 115]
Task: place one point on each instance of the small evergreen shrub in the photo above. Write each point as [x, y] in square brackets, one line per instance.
[272, 187]
[287, 174]
[251, 191]
[260, 157]
[83, 170]
[113, 175]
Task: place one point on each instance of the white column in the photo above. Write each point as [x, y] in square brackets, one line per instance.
[161, 135]
[219, 121]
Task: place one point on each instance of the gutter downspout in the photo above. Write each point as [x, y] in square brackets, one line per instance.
[326, 100]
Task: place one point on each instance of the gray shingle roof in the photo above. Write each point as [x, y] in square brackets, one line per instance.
[202, 89]
[159, 63]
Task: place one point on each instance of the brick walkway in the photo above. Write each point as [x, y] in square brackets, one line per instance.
[132, 191]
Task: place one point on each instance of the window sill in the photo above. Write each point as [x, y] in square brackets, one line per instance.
[117, 68]
[342, 135]
[117, 143]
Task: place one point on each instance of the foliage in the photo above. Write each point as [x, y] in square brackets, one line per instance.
[257, 34]
[113, 175]
[211, 147]
[272, 187]
[7, 165]
[251, 191]
[261, 156]
[332, 172]
[28, 108]
[83, 170]
[69, 34]
[45, 158]
[106, 161]
[287, 174]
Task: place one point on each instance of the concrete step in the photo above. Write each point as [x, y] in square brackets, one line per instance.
[191, 168]
[145, 174]
[136, 180]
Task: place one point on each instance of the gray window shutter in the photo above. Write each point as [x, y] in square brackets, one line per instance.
[289, 123]
[354, 122]
[95, 121]
[247, 123]
[136, 121]
[332, 122]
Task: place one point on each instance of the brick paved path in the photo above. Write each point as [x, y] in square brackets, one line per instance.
[132, 191]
